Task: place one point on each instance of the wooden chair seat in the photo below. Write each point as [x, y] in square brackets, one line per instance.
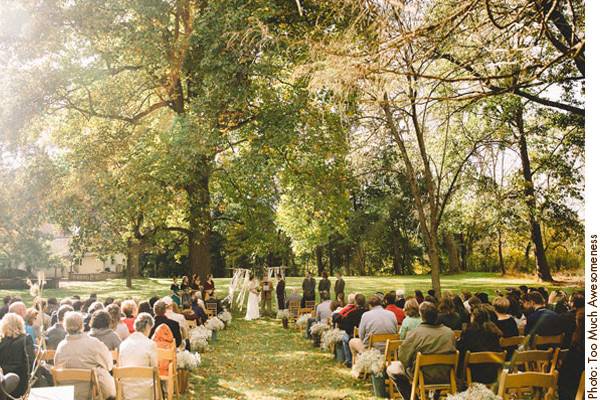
[509, 383]
[420, 387]
[71, 375]
[484, 357]
[120, 373]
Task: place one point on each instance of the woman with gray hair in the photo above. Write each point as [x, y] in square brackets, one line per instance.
[139, 351]
[79, 350]
[16, 351]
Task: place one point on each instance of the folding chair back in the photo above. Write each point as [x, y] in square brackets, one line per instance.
[527, 380]
[391, 354]
[355, 332]
[294, 307]
[120, 373]
[376, 338]
[484, 357]
[169, 356]
[309, 304]
[544, 342]
[533, 361]
[420, 387]
[211, 309]
[512, 342]
[77, 375]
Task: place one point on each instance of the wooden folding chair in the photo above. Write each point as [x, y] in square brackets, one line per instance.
[545, 342]
[484, 357]
[76, 375]
[381, 338]
[420, 387]
[391, 355]
[131, 373]
[170, 378]
[527, 380]
[512, 342]
[211, 310]
[533, 361]
[581, 388]
[294, 307]
[560, 355]
[310, 304]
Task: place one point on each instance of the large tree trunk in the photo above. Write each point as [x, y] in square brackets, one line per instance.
[200, 221]
[500, 255]
[453, 263]
[133, 261]
[434, 259]
[529, 191]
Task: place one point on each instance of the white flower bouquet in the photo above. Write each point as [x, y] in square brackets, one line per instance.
[199, 338]
[370, 361]
[319, 328]
[330, 338]
[225, 317]
[188, 361]
[281, 314]
[214, 324]
[477, 391]
[302, 321]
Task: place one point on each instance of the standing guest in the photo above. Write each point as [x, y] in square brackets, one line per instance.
[16, 351]
[481, 335]
[340, 286]
[266, 295]
[308, 289]
[139, 351]
[540, 320]
[116, 321]
[209, 286]
[160, 309]
[100, 329]
[280, 292]
[375, 321]
[348, 319]
[390, 301]
[506, 323]
[412, 320]
[57, 332]
[129, 309]
[447, 315]
[184, 290]
[419, 296]
[195, 283]
[79, 350]
[325, 287]
[429, 337]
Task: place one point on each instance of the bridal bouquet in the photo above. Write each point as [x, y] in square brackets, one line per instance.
[330, 338]
[214, 324]
[370, 361]
[319, 328]
[225, 317]
[302, 321]
[199, 338]
[477, 391]
[188, 361]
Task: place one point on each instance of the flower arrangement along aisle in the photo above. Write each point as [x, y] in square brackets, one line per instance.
[316, 330]
[225, 317]
[199, 338]
[214, 324]
[302, 320]
[372, 362]
[330, 338]
[477, 391]
[186, 362]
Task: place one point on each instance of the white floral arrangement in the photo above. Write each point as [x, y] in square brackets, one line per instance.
[319, 328]
[225, 317]
[281, 314]
[477, 391]
[214, 324]
[302, 320]
[188, 361]
[331, 337]
[199, 338]
[371, 361]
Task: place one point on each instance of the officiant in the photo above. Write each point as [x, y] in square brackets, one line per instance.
[266, 294]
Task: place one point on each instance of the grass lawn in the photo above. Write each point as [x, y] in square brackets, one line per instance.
[260, 359]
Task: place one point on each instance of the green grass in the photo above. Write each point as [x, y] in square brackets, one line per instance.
[260, 359]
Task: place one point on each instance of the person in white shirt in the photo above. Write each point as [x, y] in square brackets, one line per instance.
[139, 351]
[179, 318]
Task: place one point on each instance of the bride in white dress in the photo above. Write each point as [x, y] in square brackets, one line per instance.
[253, 308]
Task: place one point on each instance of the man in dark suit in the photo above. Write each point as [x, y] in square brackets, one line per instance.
[540, 320]
[160, 308]
[280, 292]
[339, 287]
[308, 289]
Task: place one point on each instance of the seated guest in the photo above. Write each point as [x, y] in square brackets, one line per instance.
[430, 337]
[460, 309]
[79, 350]
[77, 304]
[139, 351]
[412, 320]
[481, 335]
[390, 301]
[466, 296]
[323, 312]
[129, 310]
[419, 296]
[117, 323]
[506, 323]
[100, 329]
[348, 319]
[29, 318]
[57, 332]
[211, 298]
[447, 315]
[198, 308]
[540, 320]
[19, 308]
[400, 300]
[95, 306]
[188, 313]
[293, 297]
[16, 351]
[53, 306]
[174, 316]
[145, 307]
[375, 321]
[160, 308]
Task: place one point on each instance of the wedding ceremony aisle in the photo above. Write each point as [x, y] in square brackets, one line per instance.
[261, 360]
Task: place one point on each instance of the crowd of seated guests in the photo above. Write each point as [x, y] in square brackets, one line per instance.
[84, 332]
[430, 325]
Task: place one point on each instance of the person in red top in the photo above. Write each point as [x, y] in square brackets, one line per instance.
[348, 307]
[129, 309]
[390, 300]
